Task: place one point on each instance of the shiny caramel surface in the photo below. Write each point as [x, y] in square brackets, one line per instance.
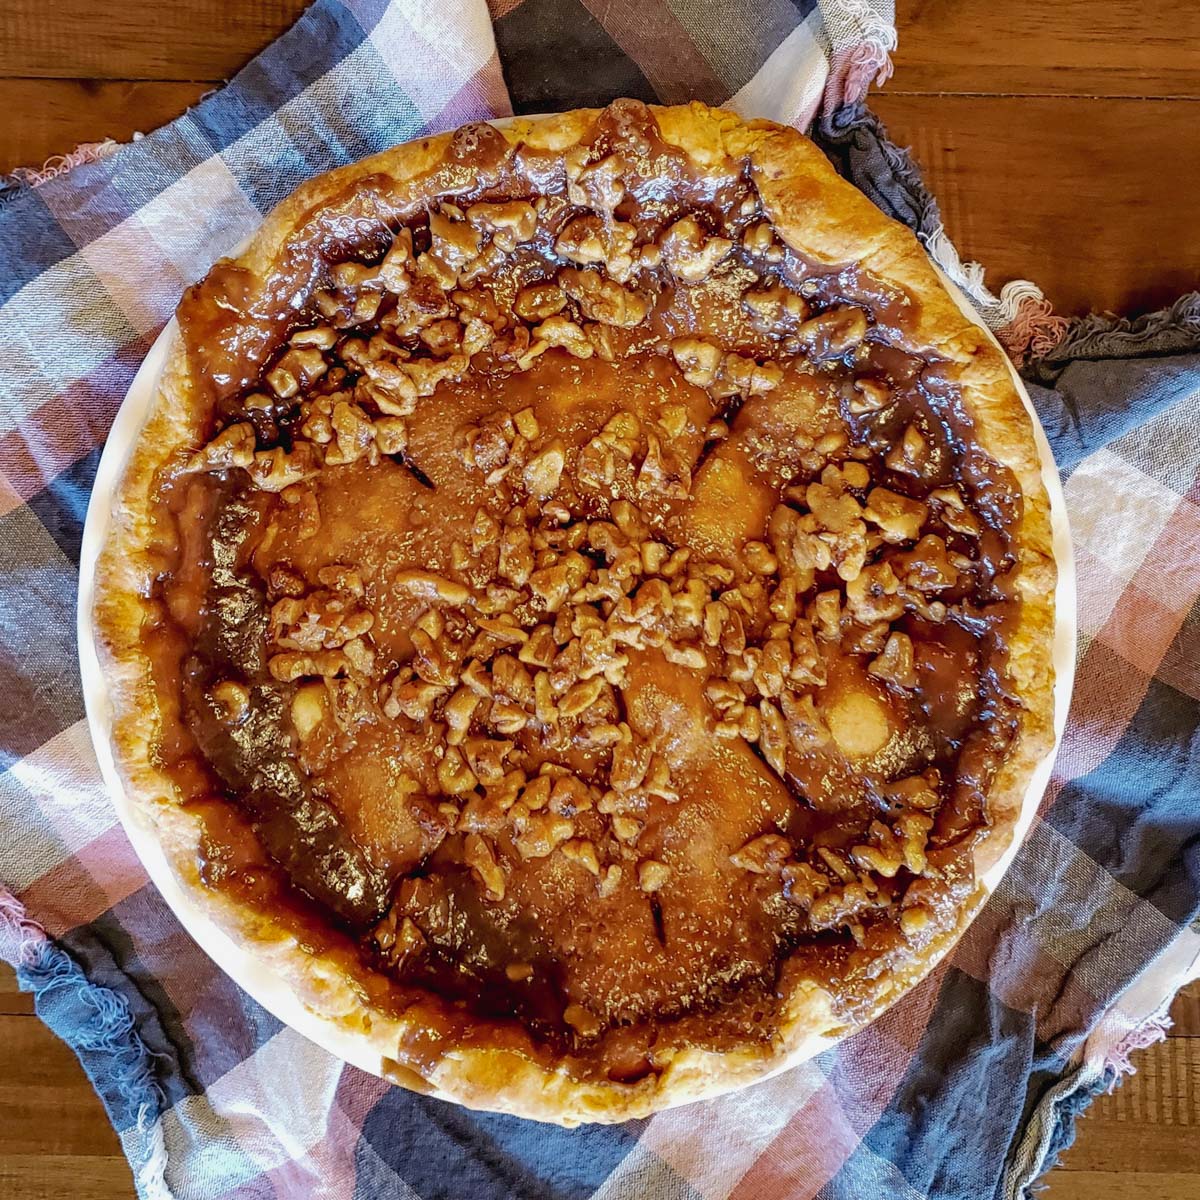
[581, 608]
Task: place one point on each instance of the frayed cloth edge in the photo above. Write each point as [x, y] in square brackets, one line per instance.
[56, 165]
[860, 42]
[852, 71]
[1171, 330]
[43, 967]
[1118, 1062]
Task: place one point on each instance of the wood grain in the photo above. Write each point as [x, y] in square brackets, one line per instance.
[137, 39]
[1092, 199]
[55, 1139]
[41, 1177]
[56, 115]
[1064, 47]
[46, 1107]
[13, 1001]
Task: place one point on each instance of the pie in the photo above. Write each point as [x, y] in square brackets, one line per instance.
[580, 607]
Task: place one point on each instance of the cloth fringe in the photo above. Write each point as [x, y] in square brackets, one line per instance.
[1118, 1062]
[107, 1028]
[860, 52]
[1034, 328]
[1172, 330]
[1049, 1131]
[1021, 317]
[19, 178]
[851, 72]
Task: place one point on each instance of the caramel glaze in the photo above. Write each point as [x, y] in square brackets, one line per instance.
[329, 853]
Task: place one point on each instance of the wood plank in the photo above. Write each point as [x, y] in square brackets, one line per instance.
[13, 1001]
[1104, 1185]
[1098, 208]
[1069, 47]
[47, 1105]
[138, 39]
[43, 1176]
[1185, 1012]
[53, 116]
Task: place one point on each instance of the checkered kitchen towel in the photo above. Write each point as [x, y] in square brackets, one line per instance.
[964, 1089]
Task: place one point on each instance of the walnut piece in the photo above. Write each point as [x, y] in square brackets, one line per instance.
[689, 254]
[539, 301]
[833, 333]
[592, 241]
[603, 300]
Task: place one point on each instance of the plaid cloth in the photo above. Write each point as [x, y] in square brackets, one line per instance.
[963, 1090]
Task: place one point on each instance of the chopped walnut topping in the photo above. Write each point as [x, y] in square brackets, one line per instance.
[353, 434]
[480, 856]
[832, 334]
[899, 518]
[585, 1023]
[580, 697]
[652, 875]
[583, 853]
[399, 943]
[610, 880]
[232, 700]
[232, 447]
[699, 361]
[454, 776]
[763, 855]
[319, 621]
[539, 301]
[559, 331]
[590, 240]
[322, 337]
[741, 376]
[541, 834]
[597, 185]
[908, 456]
[395, 272]
[895, 664]
[953, 512]
[547, 618]
[892, 848]
[603, 300]
[543, 472]
[454, 243]
[509, 223]
[689, 254]
[759, 240]
[290, 666]
[775, 309]
[870, 396]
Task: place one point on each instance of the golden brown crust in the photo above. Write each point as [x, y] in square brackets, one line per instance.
[820, 217]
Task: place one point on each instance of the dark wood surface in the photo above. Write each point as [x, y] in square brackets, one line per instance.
[1063, 142]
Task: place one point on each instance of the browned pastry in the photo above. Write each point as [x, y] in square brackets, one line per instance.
[581, 607]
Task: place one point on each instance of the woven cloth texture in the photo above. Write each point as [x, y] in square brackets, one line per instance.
[967, 1087]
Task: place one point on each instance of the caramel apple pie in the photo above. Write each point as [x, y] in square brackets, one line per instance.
[580, 607]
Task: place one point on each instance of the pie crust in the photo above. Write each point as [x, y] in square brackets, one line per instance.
[777, 225]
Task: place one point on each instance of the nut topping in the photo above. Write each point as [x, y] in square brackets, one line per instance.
[689, 254]
[597, 588]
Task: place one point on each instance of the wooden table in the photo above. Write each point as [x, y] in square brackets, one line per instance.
[1063, 141]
